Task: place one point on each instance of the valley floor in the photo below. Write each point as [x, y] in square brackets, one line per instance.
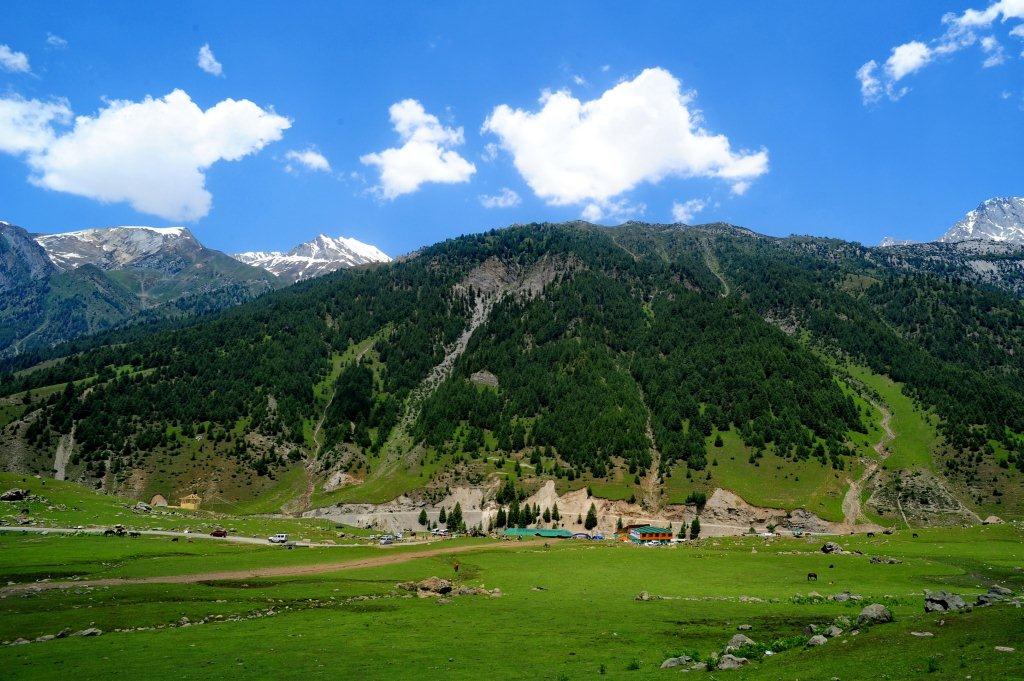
[566, 610]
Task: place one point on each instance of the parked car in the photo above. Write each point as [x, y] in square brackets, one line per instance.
[279, 538]
[219, 532]
[385, 541]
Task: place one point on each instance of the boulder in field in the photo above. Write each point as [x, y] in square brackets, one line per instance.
[943, 601]
[731, 662]
[817, 640]
[831, 547]
[675, 661]
[737, 642]
[14, 494]
[876, 613]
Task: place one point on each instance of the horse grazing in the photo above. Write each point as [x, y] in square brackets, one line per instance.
[871, 534]
[914, 535]
[133, 534]
[812, 576]
[109, 533]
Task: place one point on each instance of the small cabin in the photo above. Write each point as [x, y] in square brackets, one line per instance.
[158, 500]
[190, 502]
[650, 533]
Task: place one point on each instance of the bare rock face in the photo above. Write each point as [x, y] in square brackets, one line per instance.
[831, 547]
[484, 378]
[817, 640]
[999, 219]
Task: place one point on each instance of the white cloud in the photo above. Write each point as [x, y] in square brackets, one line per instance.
[994, 49]
[685, 211]
[641, 130]
[15, 62]
[207, 62]
[579, 80]
[506, 198]
[26, 125]
[740, 188]
[870, 86]
[961, 32]
[612, 210]
[426, 154]
[152, 154]
[906, 59]
[309, 158]
[56, 42]
[490, 152]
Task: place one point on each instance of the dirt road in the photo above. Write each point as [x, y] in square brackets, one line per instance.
[851, 502]
[387, 557]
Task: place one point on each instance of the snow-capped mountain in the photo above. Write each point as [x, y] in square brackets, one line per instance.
[113, 247]
[999, 219]
[311, 259]
[889, 242]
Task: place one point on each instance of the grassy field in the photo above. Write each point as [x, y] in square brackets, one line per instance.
[567, 612]
[66, 504]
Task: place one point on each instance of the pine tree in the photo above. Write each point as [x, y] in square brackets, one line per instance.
[555, 515]
[618, 523]
[423, 517]
[502, 518]
[547, 515]
[591, 518]
[513, 513]
[443, 518]
[455, 518]
[695, 528]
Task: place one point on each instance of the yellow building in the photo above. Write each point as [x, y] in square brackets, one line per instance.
[190, 502]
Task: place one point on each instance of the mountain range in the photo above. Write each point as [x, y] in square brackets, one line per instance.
[314, 258]
[647, 362]
[57, 287]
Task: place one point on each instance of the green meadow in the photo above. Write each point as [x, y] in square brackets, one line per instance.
[567, 610]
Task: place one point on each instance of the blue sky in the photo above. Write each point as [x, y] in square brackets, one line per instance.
[937, 126]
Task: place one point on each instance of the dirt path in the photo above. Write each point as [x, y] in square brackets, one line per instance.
[651, 487]
[63, 455]
[278, 571]
[852, 511]
[716, 269]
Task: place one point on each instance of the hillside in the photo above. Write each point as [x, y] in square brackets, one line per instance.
[650, 364]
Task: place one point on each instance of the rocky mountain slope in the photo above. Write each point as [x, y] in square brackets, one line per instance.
[999, 219]
[62, 286]
[648, 364]
[314, 258]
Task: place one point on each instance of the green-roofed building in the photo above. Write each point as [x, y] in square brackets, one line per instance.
[650, 533]
[537, 532]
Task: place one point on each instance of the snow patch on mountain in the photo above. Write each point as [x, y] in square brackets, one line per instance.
[999, 219]
[889, 242]
[112, 247]
[313, 258]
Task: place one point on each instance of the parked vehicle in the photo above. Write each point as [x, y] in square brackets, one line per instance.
[219, 532]
[280, 538]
